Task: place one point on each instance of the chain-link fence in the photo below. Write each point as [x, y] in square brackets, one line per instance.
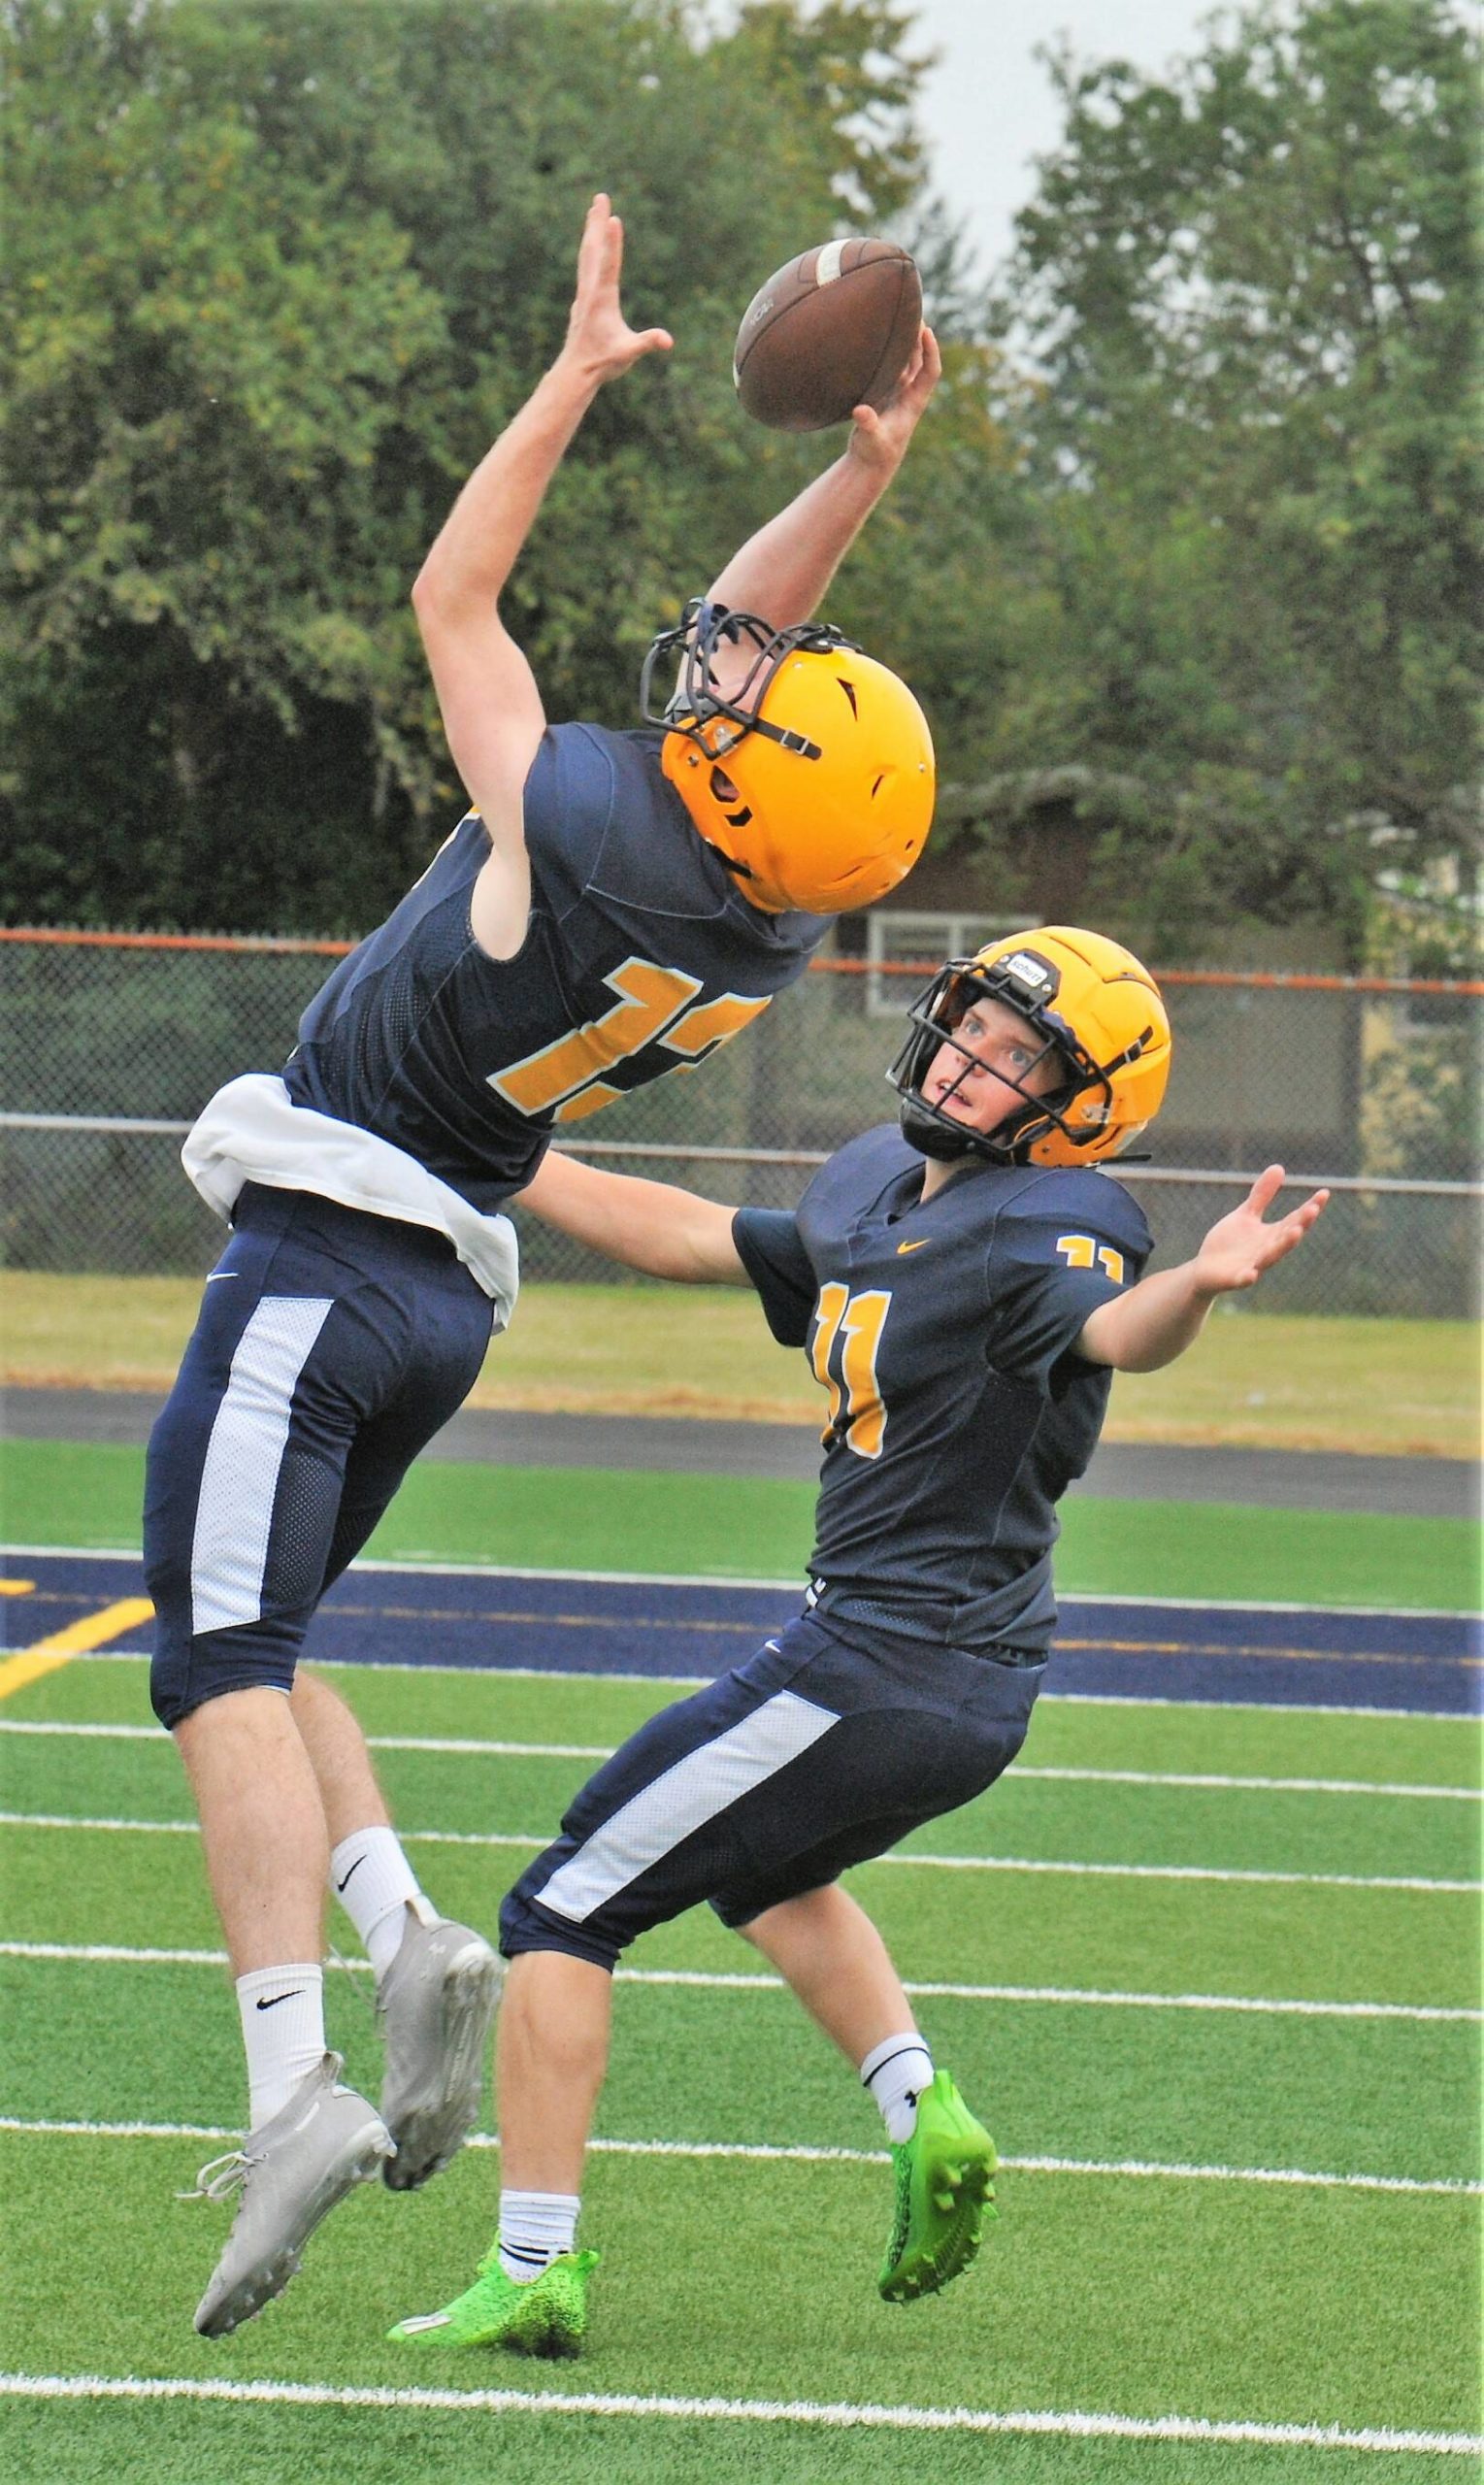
[110, 1042]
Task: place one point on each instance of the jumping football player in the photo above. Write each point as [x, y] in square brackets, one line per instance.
[966, 1286]
[613, 906]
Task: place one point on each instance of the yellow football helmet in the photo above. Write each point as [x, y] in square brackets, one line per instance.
[1092, 1003]
[815, 782]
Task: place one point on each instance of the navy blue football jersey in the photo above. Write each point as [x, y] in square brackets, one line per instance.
[642, 956]
[944, 1333]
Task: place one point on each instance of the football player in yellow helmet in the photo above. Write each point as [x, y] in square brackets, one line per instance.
[583, 941]
[965, 1319]
[814, 779]
[1092, 1079]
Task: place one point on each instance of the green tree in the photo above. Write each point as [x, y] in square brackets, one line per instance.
[1248, 294]
[278, 272]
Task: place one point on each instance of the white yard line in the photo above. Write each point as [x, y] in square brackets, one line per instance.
[1067, 1867]
[772, 2152]
[1076, 2424]
[120, 1954]
[478, 1747]
[427, 1569]
[1181, 1872]
[1254, 1786]
[462, 1745]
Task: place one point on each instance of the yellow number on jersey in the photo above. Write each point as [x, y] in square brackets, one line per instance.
[1081, 1251]
[859, 1321]
[565, 1076]
[712, 1023]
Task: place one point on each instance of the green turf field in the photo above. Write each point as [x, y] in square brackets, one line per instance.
[1262, 1984]
[756, 1527]
[1165, 2249]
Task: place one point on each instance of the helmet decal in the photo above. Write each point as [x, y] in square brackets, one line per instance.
[1039, 973]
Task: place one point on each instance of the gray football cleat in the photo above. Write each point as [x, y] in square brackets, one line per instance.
[436, 2005]
[291, 2173]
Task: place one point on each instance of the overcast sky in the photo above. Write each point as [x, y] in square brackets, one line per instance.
[988, 108]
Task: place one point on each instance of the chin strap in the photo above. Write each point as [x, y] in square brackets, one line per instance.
[726, 739]
[932, 1133]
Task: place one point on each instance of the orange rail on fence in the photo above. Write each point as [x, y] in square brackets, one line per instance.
[1227, 978]
[241, 942]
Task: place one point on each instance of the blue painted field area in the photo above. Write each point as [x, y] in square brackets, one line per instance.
[567, 1623]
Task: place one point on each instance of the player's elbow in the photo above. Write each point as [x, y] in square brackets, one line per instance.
[425, 606]
[444, 601]
[433, 598]
[1131, 1359]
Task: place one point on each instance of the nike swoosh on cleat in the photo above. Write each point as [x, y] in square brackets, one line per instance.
[341, 1886]
[270, 2001]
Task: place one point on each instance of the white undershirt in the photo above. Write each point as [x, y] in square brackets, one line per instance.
[253, 1132]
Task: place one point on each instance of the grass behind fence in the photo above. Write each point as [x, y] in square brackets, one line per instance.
[1254, 1380]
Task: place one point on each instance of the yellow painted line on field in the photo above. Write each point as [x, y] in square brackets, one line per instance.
[93, 1631]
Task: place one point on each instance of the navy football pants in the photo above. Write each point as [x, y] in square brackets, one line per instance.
[812, 1756]
[330, 1347]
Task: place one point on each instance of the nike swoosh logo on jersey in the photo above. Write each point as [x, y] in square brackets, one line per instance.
[913, 1247]
[271, 2000]
[218, 1276]
[355, 1868]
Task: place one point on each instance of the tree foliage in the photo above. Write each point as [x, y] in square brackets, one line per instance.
[279, 272]
[1249, 292]
[1187, 528]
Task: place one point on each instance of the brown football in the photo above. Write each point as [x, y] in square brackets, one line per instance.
[833, 331]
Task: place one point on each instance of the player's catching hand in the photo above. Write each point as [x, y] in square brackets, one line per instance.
[1241, 1246]
[881, 439]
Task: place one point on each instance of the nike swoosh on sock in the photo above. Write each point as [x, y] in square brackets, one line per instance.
[269, 2002]
[342, 1886]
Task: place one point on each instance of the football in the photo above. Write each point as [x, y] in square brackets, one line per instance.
[833, 331]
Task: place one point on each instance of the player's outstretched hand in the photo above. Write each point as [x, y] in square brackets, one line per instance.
[598, 335]
[1238, 1249]
[880, 439]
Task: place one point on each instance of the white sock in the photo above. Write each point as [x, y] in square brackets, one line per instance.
[896, 2072]
[534, 2228]
[283, 2015]
[373, 1880]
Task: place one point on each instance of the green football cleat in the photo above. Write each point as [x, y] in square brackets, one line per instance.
[944, 2193]
[545, 2316]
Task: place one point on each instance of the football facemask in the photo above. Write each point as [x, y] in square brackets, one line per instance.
[815, 781]
[1095, 1011]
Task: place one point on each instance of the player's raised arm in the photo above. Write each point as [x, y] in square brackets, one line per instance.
[651, 1226]
[1158, 1318]
[782, 571]
[486, 692]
